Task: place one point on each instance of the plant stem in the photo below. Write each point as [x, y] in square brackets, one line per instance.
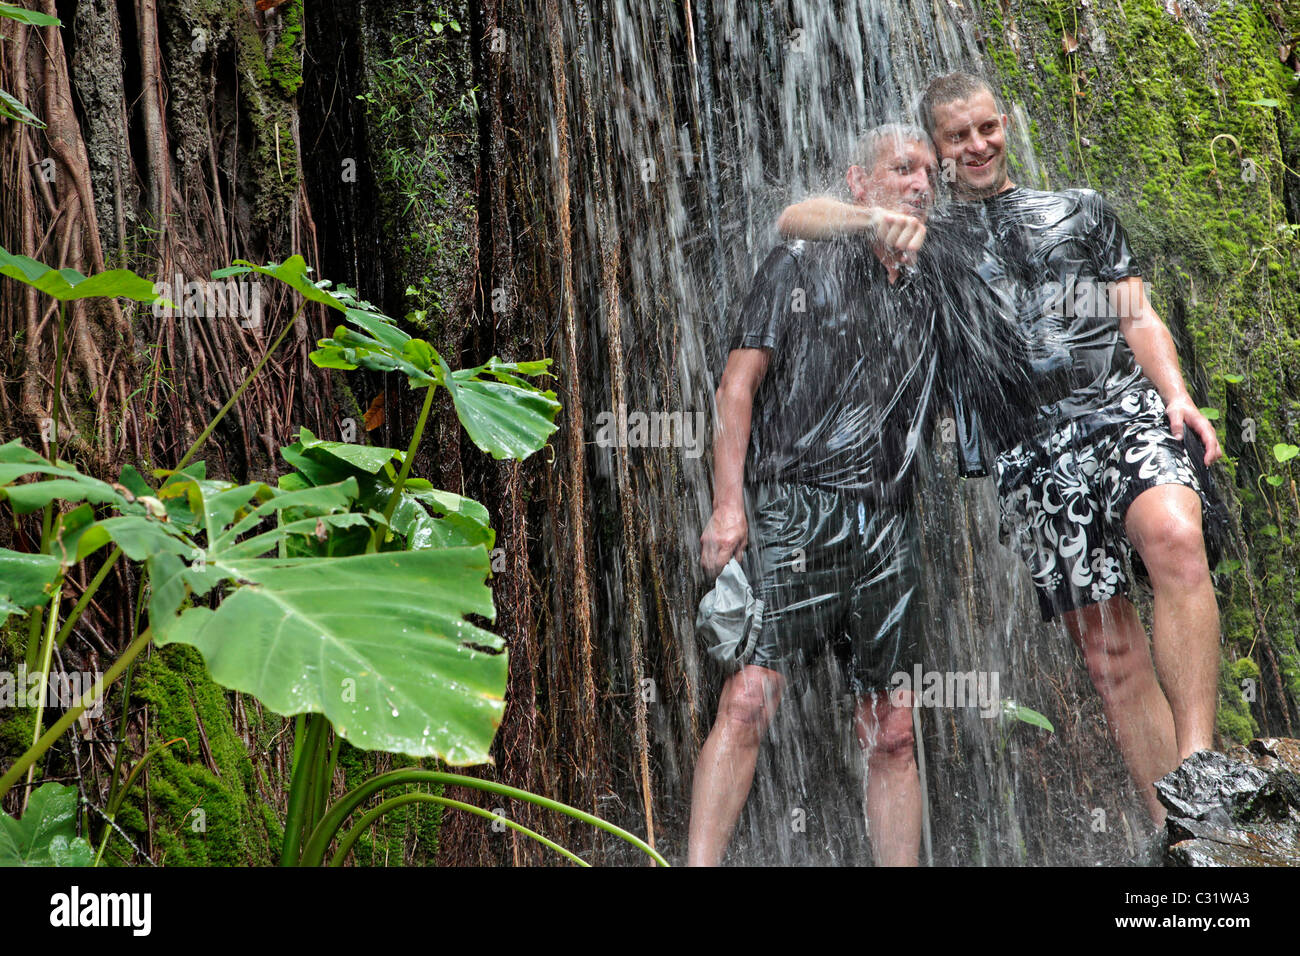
[58, 383]
[243, 386]
[47, 513]
[300, 792]
[327, 778]
[351, 837]
[115, 801]
[126, 699]
[314, 850]
[86, 595]
[14, 773]
[47, 654]
[402, 475]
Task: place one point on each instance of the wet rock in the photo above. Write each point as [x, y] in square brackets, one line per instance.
[1240, 808]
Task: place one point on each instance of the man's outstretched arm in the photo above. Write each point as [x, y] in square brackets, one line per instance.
[726, 533]
[1153, 347]
[823, 217]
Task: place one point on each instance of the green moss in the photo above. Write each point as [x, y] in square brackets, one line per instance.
[205, 806]
[407, 836]
[267, 86]
[420, 108]
[286, 58]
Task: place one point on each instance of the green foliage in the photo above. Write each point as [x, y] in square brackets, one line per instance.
[47, 833]
[424, 516]
[1026, 715]
[420, 107]
[205, 802]
[373, 637]
[1192, 129]
[33, 18]
[10, 107]
[69, 284]
[378, 643]
[26, 580]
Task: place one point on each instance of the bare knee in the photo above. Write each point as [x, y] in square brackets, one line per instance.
[1113, 642]
[885, 733]
[747, 706]
[1172, 546]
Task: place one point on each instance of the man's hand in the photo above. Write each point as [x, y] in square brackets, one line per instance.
[724, 538]
[1183, 413]
[898, 233]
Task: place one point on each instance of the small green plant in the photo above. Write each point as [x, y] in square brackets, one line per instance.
[47, 833]
[342, 594]
[1283, 452]
[1011, 711]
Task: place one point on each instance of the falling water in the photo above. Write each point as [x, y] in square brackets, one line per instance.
[704, 119]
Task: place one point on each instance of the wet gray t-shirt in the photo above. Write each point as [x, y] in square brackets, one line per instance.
[856, 361]
[1067, 250]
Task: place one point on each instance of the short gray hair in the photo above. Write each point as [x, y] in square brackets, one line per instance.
[866, 151]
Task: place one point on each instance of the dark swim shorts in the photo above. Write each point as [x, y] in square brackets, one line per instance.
[834, 573]
[1063, 497]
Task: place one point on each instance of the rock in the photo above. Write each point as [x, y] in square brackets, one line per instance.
[1240, 808]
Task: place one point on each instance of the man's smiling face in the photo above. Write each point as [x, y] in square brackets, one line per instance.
[902, 179]
[970, 135]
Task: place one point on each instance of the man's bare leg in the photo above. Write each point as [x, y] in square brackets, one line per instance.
[1164, 524]
[893, 784]
[725, 769]
[1114, 646]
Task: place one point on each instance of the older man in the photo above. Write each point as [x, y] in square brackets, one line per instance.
[827, 392]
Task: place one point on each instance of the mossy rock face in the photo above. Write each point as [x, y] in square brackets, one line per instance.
[420, 108]
[1189, 122]
[206, 801]
[216, 796]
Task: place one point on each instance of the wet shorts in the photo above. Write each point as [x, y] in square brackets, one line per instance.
[1063, 497]
[834, 573]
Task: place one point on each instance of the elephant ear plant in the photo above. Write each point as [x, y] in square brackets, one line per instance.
[341, 595]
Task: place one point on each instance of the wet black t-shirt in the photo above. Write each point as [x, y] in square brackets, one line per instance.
[856, 361]
[1066, 249]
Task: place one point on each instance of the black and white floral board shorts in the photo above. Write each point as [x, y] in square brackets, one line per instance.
[1063, 496]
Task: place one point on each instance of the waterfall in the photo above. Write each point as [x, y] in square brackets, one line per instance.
[690, 126]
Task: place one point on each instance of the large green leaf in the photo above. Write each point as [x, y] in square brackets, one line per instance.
[68, 284]
[228, 528]
[31, 17]
[378, 643]
[293, 273]
[349, 349]
[47, 833]
[455, 520]
[16, 462]
[25, 580]
[505, 416]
